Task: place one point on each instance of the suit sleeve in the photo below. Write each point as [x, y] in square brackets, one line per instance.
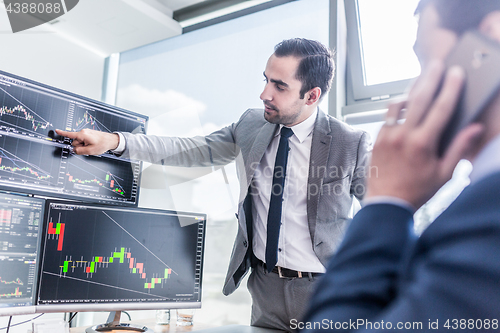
[362, 170]
[217, 148]
[361, 278]
[447, 280]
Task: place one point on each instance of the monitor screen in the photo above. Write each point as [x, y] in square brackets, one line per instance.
[20, 233]
[118, 258]
[35, 160]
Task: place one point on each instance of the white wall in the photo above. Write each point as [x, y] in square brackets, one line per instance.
[52, 60]
[46, 57]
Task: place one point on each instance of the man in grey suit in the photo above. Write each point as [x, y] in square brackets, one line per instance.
[324, 166]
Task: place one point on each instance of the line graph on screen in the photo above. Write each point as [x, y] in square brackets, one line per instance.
[15, 281]
[12, 285]
[90, 121]
[88, 171]
[19, 167]
[87, 117]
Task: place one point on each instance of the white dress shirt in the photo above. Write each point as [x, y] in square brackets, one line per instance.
[295, 249]
[121, 144]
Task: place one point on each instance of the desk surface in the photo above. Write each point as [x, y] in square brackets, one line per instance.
[151, 324]
[239, 329]
[200, 328]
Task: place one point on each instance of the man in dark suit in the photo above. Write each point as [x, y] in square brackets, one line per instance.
[288, 226]
[383, 277]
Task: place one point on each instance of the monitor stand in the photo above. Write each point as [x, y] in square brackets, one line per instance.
[113, 324]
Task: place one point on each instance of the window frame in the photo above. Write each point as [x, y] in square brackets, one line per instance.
[357, 91]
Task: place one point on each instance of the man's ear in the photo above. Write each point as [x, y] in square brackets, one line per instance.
[313, 95]
[490, 25]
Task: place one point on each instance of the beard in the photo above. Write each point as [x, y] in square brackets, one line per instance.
[275, 116]
[272, 116]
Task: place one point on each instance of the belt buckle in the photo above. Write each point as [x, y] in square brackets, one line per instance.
[280, 273]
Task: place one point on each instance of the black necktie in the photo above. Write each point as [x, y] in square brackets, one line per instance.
[274, 215]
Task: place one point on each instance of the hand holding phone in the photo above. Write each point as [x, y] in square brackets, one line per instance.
[479, 56]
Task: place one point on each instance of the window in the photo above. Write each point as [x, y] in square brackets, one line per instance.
[380, 37]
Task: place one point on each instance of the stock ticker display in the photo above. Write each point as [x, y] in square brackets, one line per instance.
[20, 227]
[97, 254]
[34, 159]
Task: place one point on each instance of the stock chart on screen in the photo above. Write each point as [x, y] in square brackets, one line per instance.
[20, 228]
[100, 255]
[34, 159]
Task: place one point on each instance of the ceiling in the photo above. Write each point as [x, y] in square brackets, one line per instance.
[112, 26]
[179, 4]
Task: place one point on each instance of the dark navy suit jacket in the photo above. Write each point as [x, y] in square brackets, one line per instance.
[448, 278]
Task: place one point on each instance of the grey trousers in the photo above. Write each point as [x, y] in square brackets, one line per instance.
[276, 301]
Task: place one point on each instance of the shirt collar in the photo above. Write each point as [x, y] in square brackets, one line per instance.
[487, 162]
[304, 129]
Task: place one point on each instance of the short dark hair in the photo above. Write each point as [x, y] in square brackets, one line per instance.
[460, 15]
[316, 63]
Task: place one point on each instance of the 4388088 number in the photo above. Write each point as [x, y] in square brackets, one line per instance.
[471, 324]
[33, 8]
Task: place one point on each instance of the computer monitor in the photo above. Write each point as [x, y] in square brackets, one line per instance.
[20, 233]
[35, 160]
[118, 258]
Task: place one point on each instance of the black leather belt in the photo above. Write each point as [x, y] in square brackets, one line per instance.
[290, 273]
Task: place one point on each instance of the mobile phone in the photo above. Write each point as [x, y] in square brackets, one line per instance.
[479, 56]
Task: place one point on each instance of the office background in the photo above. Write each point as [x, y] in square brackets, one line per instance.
[196, 79]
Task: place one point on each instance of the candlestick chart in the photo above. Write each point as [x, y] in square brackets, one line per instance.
[30, 113]
[87, 120]
[102, 254]
[87, 117]
[99, 177]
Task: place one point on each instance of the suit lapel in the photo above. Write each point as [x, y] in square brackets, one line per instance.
[255, 154]
[320, 150]
[258, 149]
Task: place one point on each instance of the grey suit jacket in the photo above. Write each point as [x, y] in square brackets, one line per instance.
[337, 170]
